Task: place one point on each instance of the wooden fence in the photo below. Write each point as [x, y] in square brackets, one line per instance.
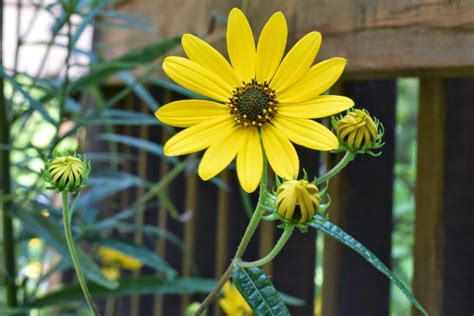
[382, 40]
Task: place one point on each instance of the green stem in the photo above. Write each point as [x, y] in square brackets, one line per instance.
[348, 157]
[249, 231]
[73, 252]
[5, 190]
[273, 253]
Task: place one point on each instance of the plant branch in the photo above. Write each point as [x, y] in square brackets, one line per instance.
[348, 157]
[5, 190]
[72, 250]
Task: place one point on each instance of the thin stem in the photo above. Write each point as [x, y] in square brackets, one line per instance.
[249, 231]
[348, 157]
[5, 190]
[74, 256]
[272, 254]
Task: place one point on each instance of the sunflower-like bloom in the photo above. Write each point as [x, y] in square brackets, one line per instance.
[67, 173]
[260, 98]
[297, 201]
[358, 131]
[233, 304]
[115, 258]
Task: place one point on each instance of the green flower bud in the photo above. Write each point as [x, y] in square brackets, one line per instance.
[358, 131]
[297, 201]
[67, 173]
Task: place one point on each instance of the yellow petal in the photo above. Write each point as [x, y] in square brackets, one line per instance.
[185, 113]
[204, 54]
[250, 161]
[307, 133]
[221, 152]
[297, 62]
[196, 138]
[281, 154]
[318, 79]
[241, 45]
[271, 47]
[322, 106]
[196, 78]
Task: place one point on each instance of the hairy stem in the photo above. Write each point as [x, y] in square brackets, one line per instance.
[249, 231]
[272, 254]
[74, 256]
[348, 157]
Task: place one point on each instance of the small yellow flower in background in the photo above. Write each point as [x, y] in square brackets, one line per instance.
[67, 173]
[112, 257]
[358, 131]
[111, 272]
[233, 304]
[297, 200]
[260, 94]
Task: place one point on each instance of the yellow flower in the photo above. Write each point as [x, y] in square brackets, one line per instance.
[111, 272]
[358, 131]
[112, 257]
[260, 93]
[233, 304]
[297, 200]
[66, 173]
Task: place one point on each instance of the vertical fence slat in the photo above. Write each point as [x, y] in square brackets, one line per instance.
[459, 200]
[362, 206]
[444, 255]
[429, 194]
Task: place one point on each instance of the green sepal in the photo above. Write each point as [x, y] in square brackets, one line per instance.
[327, 227]
[259, 292]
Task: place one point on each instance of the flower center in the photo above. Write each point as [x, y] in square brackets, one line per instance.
[253, 104]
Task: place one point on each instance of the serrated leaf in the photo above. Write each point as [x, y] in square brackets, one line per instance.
[259, 292]
[141, 285]
[327, 227]
[147, 257]
[52, 235]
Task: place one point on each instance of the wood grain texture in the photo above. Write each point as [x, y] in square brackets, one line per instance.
[444, 256]
[403, 37]
[429, 196]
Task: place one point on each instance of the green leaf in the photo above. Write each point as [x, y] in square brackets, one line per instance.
[144, 55]
[258, 291]
[150, 147]
[327, 227]
[128, 285]
[119, 117]
[169, 85]
[147, 257]
[50, 233]
[37, 106]
[130, 80]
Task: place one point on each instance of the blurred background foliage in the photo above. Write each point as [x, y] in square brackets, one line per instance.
[60, 111]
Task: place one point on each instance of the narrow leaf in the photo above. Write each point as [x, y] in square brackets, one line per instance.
[327, 227]
[258, 291]
[141, 285]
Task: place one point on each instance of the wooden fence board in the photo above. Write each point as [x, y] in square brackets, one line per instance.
[391, 36]
[362, 196]
[444, 256]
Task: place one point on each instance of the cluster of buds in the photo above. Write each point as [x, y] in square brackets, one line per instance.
[358, 132]
[66, 173]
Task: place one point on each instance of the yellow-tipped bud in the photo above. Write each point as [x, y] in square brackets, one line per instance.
[67, 173]
[297, 201]
[358, 131]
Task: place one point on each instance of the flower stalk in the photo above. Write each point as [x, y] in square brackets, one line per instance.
[67, 215]
[285, 236]
[348, 157]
